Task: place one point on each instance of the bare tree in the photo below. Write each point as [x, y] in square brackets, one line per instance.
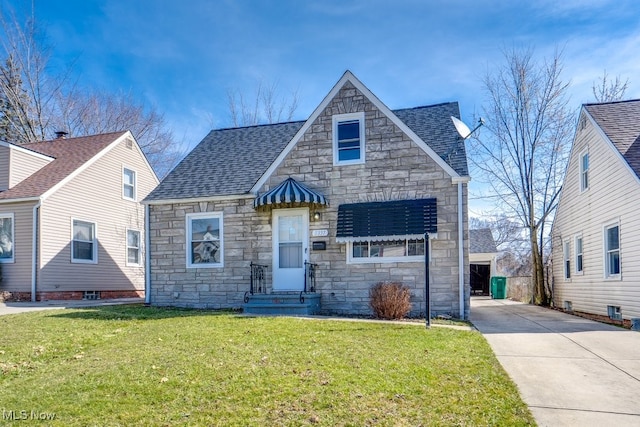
[507, 234]
[28, 89]
[605, 90]
[88, 113]
[263, 106]
[524, 154]
[34, 103]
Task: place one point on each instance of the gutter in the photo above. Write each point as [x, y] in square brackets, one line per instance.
[460, 252]
[34, 249]
[147, 257]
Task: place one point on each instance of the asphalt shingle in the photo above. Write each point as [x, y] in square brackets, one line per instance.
[68, 153]
[481, 241]
[620, 121]
[230, 161]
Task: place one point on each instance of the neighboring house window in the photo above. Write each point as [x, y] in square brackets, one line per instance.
[567, 260]
[84, 248]
[129, 184]
[133, 247]
[401, 250]
[584, 171]
[204, 240]
[579, 254]
[348, 139]
[6, 238]
[612, 250]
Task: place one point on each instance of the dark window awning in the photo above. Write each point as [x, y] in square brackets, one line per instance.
[289, 191]
[406, 219]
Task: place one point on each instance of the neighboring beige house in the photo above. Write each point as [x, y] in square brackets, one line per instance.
[316, 212]
[71, 221]
[482, 260]
[596, 231]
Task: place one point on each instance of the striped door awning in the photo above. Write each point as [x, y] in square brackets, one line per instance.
[289, 191]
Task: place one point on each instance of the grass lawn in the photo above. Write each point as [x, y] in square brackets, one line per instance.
[134, 365]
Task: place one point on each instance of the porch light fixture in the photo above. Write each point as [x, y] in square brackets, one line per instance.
[317, 216]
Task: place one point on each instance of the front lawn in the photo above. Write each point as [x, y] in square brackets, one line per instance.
[134, 365]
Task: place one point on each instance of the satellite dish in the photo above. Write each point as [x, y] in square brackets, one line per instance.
[463, 130]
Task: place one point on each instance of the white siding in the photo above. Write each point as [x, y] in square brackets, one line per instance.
[17, 275]
[613, 195]
[4, 167]
[23, 165]
[95, 195]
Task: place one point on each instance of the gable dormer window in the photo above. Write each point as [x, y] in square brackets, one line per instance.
[348, 139]
[584, 171]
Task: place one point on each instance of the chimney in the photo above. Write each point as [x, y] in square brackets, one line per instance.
[60, 134]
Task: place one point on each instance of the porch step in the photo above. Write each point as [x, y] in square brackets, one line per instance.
[283, 303]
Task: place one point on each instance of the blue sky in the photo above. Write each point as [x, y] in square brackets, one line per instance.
[184, 56]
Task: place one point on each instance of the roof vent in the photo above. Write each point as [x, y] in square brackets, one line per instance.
[60, 134]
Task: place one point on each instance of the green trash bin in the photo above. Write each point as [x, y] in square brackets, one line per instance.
[498, 287]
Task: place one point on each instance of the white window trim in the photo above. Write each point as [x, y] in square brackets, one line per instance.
[95, 243]
[343, 118]
[584, 188]
[605, 252]
[135, 183]
[383, 260]
[575, 258]
[188, 219]
[127, 247]
[13, 239]
[566, 256]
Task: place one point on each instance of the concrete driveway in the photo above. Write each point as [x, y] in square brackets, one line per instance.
[570, 371]
[21, 307]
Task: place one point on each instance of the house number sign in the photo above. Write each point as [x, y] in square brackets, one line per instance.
[320, 233]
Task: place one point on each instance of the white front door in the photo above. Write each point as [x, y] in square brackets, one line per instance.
[290, 248]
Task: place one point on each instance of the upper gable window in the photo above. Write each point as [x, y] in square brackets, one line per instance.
[348, 139]
[584, 171]
[129, 184]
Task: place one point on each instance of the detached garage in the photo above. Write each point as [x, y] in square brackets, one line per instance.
[482, 260]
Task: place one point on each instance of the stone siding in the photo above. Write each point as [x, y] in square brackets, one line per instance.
[395, 168]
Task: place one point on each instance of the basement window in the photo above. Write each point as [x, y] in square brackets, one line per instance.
[614, 312]
[91, 295]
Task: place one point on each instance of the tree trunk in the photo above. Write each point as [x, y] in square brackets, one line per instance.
[540, 296]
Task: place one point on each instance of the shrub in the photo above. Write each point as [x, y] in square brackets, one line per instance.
[390, 300]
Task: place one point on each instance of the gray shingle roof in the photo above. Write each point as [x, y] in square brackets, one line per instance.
[434, 126]
[227, 161]
[231, 161]
[481, 241]
[620, 121]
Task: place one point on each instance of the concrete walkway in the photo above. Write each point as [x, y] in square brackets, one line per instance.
[570, 371]
[21, 307]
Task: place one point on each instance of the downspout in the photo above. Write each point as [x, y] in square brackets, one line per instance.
[147, 257]
[427, 290]
[460, 252]
[34, 250]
